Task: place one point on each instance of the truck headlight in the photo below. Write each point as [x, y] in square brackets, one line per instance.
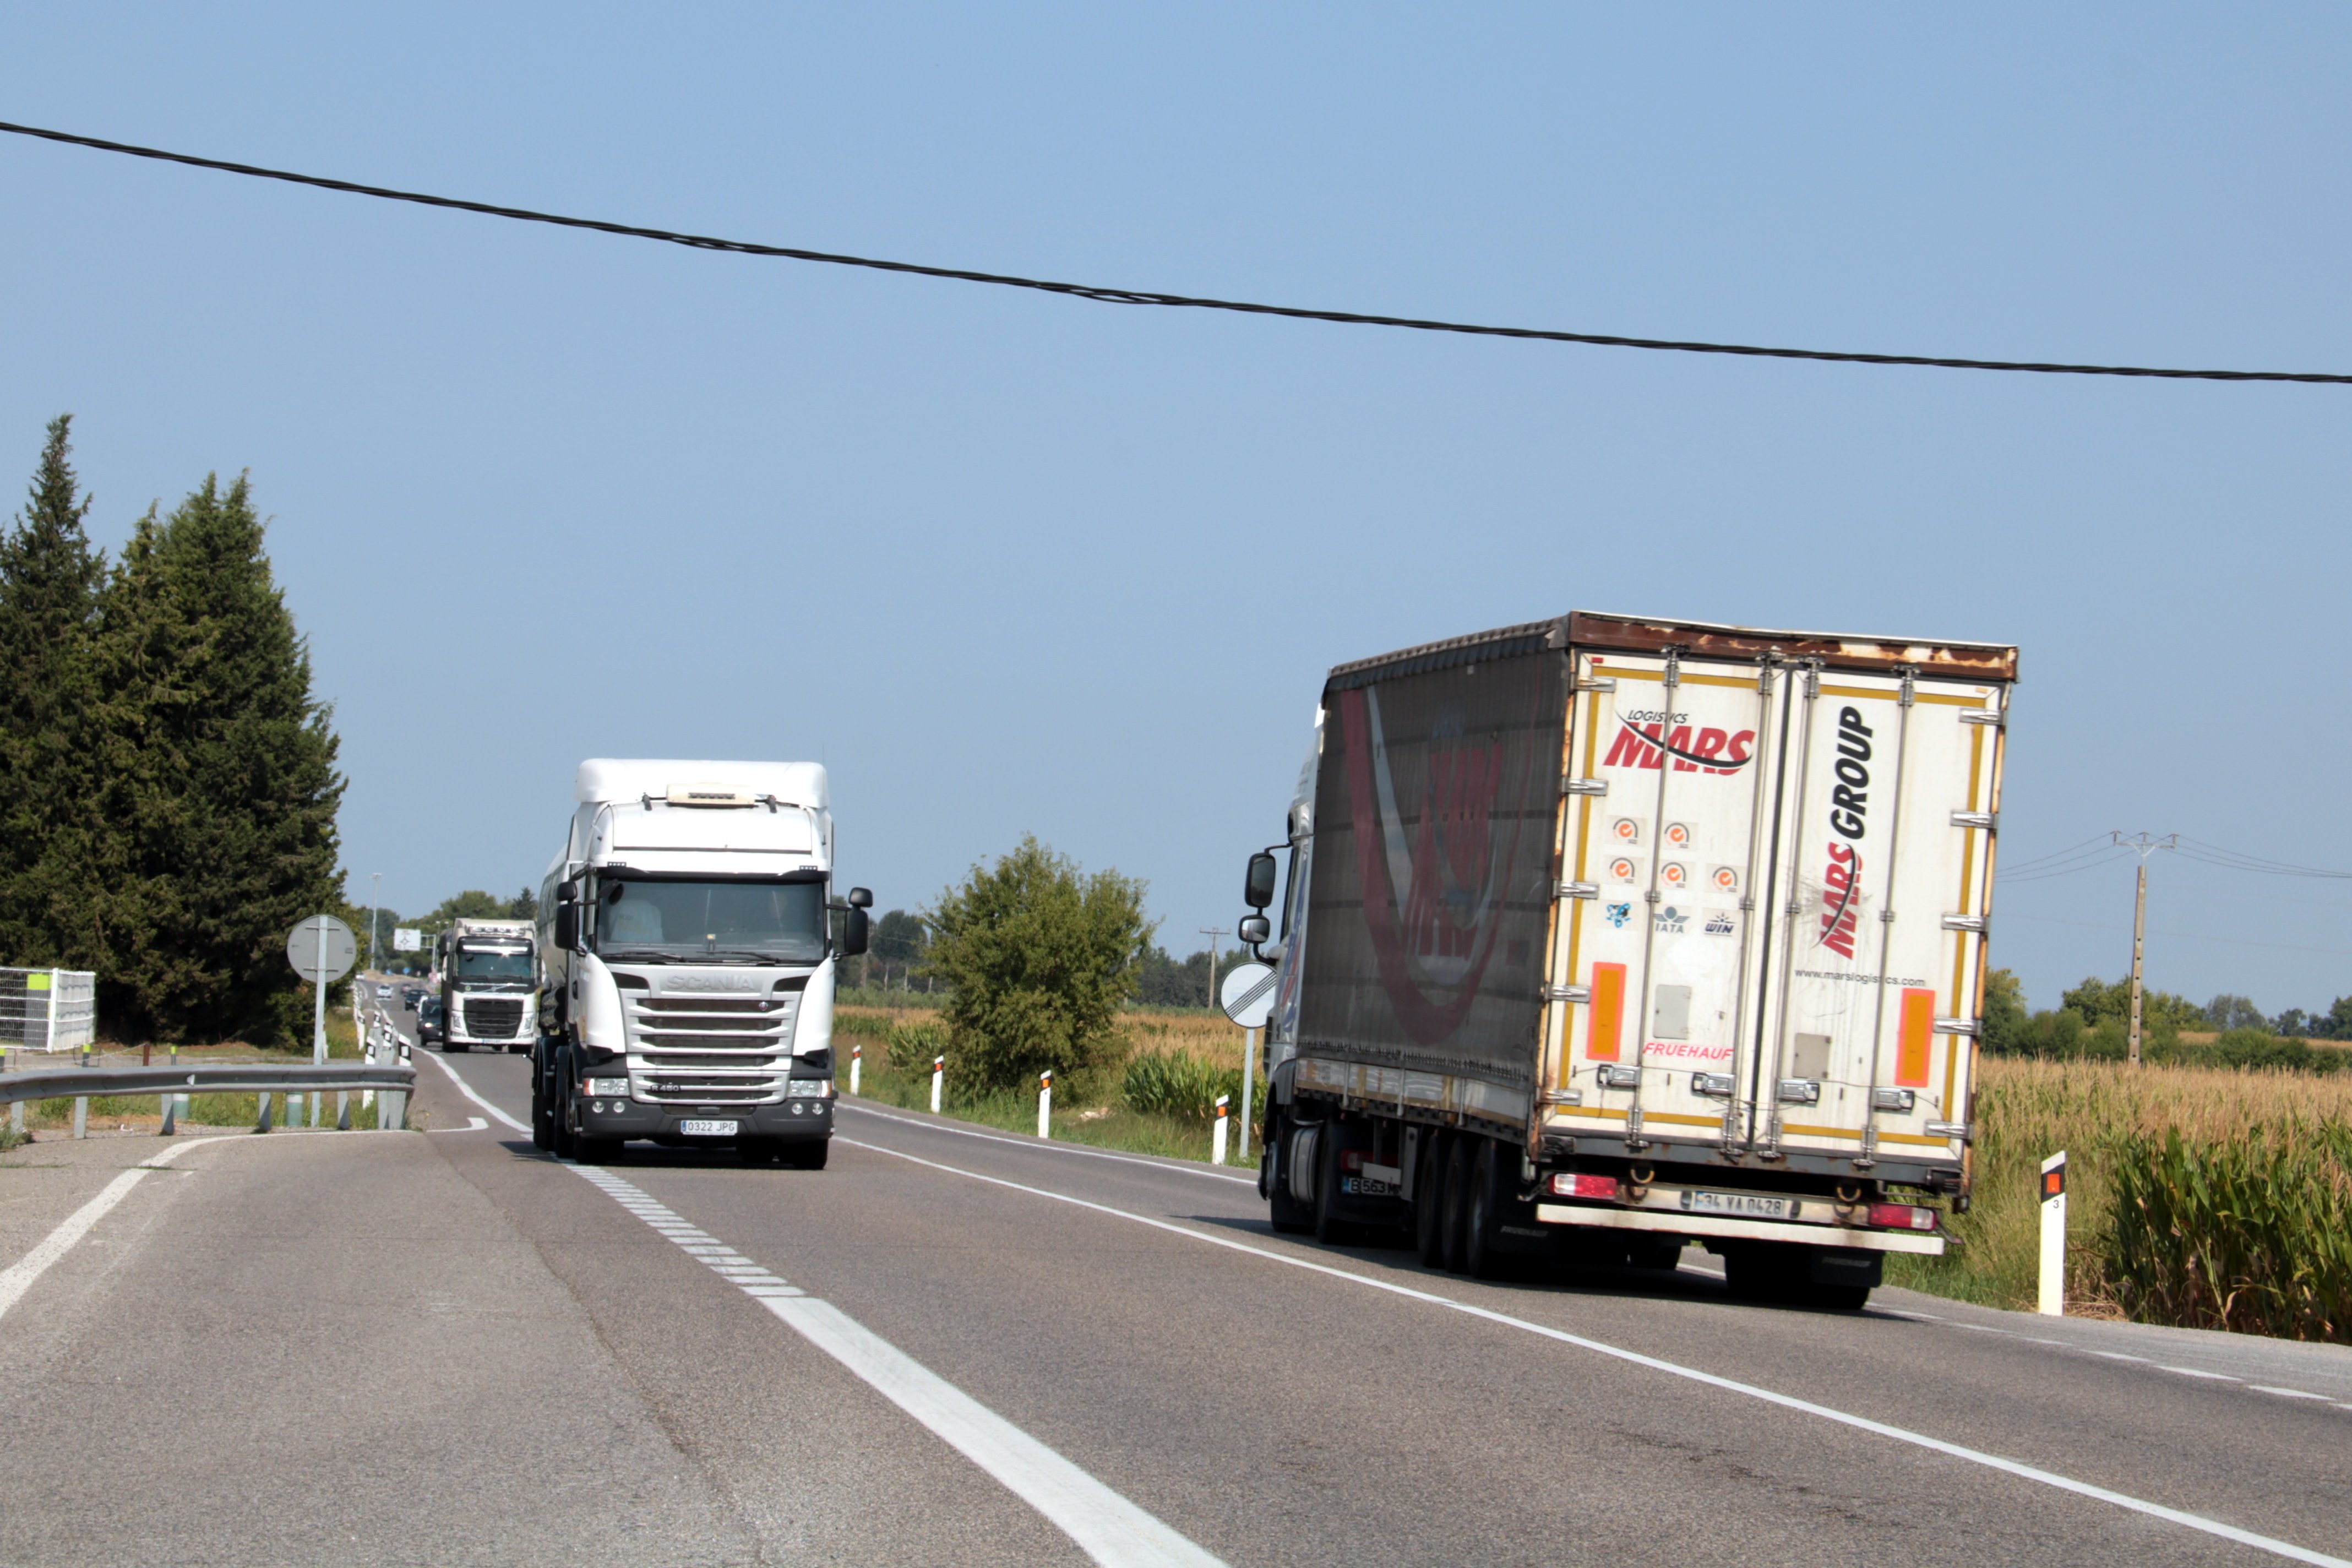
[613, 1086]
[806, 1089]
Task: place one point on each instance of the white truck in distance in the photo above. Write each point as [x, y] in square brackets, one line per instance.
[687, 939]
[490, 986]
[1605, 935]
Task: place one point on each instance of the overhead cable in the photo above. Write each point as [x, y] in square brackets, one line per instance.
[1104, 294]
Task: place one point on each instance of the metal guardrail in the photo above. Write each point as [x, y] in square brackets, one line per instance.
[395, 1081]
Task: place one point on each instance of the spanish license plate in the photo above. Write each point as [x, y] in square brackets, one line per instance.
[1746, 1205]
[709, 1129]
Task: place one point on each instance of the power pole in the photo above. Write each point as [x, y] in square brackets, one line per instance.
[2145, 846]
[375, 898]
[1213, 934]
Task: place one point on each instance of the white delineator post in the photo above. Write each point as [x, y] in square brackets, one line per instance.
[2054, 1236]
[939, 1071]
[856, 1060]
[1046, 1103]
[1217, 1140]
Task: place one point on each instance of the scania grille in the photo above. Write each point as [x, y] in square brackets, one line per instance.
[750, 1025]
[494, 1018]
[707, 1089]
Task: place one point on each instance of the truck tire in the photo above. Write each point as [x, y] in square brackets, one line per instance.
[567, 1144]
[542, 1119]
[1481, 1213]
[1429, 1199]
[1453, 1220]
[1330, 1231]
[1288, 1216]
[808, 1156]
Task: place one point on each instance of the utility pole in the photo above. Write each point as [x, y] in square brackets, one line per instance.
[2145, 847]
[1213, 934]
[375, 898]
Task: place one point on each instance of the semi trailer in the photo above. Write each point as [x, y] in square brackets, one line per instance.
[490, 986]
[1605, 935]
[689, 935]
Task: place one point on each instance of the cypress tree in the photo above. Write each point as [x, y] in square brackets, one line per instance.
[222, 778]
[51, 829]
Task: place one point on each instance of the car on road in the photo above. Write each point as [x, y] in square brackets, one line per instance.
[410, 995]
[428, 1021]
[383, 991]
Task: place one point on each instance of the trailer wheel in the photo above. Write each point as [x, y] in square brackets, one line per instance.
[1288, 1216]
[1429, 1199]
[1454, 1218]
[1482, 1213]
[1330, 1228]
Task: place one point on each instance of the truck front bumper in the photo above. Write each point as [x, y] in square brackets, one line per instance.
[1724, 1227]
[789, 1119]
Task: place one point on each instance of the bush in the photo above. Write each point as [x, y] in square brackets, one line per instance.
[913, 1048]
[1180, 1084]
[1037, 958]
[2247, 1049]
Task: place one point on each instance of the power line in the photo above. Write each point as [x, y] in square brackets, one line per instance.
[1103, 294]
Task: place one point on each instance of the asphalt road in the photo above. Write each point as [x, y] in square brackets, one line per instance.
[956, 1348]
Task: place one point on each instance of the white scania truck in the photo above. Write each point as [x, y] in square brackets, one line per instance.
[1604, 935]
[687, 940]
[490, 986]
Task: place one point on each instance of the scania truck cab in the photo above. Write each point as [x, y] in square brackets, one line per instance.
[688, 936]
[490, 986]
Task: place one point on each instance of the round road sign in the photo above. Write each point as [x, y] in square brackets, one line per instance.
[1247, 994]
[321, 948]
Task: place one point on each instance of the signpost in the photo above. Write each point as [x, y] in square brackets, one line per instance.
[1247, 997]
[321, 950]
[407, 939]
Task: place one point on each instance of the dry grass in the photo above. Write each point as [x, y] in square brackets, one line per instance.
[2028, 1109]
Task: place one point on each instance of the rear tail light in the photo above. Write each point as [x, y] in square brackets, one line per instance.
[1901, 1216]
[1569, 1186]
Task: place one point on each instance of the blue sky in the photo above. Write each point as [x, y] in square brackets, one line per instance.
[1015, 565]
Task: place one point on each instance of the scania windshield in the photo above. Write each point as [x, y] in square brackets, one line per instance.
[688, 922]
[502, 962]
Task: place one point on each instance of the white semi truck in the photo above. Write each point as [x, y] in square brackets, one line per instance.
[687, 938]
[1605, 935]
[490, 986]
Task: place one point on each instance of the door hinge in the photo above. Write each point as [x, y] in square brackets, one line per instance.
[1967, 1026]
[1992, 716]
[1576, 889]
[1568, 993]
[1583, 787]
[1975, 923]
[1984, 819]
[1598, 683]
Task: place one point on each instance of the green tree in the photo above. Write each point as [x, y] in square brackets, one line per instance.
[53, 829]
[222, 786]
[2226, 1012]
[897, 945]
[1037, 957]
[2004, 1014]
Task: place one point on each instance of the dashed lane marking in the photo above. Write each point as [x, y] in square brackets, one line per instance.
[1105, 1525]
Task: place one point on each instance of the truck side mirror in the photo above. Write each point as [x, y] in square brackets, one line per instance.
[1255, 928]
[1257, 888]
[567, 917]
[855, 930]
[861, 899]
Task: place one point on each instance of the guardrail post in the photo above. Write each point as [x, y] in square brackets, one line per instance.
[342, 1111]
[81, 1116]
[171, 1104]
[262, 1125]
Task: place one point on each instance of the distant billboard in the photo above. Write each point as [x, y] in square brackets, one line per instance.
[406, 939]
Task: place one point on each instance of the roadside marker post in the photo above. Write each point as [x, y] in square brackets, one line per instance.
[1217, 1140]
[1046, 1103]
[2054, 1236]
[856, 1060]
[939, 1071]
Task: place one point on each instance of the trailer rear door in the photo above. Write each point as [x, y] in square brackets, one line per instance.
[1736, 833]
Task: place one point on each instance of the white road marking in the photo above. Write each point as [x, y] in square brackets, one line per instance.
[467, 1090]
[1177, 1168]
[2284, 1393]
[2193, 1372]
[1805, 1406]
[18, 1276]
[2118, 1355]
[1106, 1526]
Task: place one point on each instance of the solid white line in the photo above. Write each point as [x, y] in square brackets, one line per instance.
[2193, 1372]
[1178, 1168]
[467, 1090]
[1787, 1402]
[18, 1276]
[2284, 1393]
[1106, 1526]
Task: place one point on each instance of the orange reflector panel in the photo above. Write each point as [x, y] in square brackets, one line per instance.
[1914, 1036]
[1607, 1012]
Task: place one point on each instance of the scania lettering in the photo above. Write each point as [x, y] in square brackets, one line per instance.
[689, 934]
[490, 986]
[1607, 936]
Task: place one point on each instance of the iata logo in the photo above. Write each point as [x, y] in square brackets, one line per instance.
[1646, 738]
